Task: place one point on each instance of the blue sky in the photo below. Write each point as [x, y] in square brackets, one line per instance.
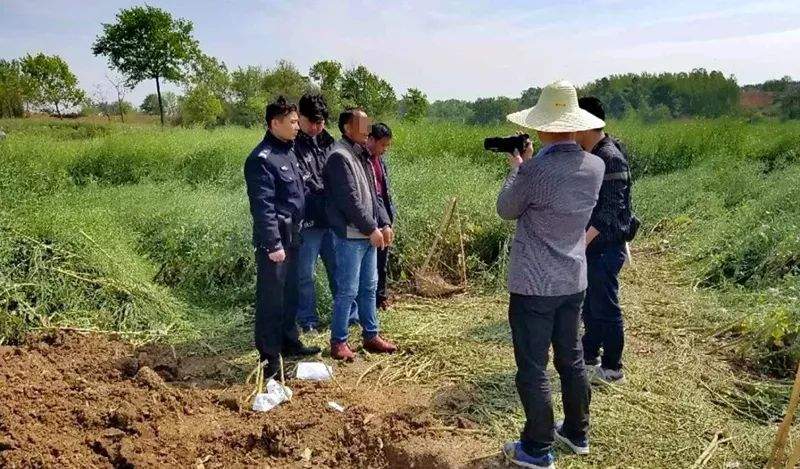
[448, 49]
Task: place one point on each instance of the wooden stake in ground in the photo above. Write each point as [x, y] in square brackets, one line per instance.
[448, 217]
[778, 449]
[428, 282]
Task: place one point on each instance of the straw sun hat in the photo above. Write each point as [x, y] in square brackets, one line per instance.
[557, 111]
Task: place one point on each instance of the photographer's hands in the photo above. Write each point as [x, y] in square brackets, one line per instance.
[516, 159]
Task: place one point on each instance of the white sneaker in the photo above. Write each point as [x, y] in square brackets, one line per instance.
[603, 376]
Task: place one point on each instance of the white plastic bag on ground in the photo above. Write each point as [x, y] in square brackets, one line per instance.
[314, 371]
[276, 393]
[335, 406]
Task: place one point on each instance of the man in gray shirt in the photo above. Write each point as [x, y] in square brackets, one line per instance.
[551, 197]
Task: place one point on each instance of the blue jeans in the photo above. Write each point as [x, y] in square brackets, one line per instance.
[316, 242]
[602, 314]
[356, 280]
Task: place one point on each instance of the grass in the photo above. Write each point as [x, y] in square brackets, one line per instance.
[145, 230]
[164, 209]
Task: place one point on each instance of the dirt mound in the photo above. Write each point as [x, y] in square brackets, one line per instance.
[70, 399]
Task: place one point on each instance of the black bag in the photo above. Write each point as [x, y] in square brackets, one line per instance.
[290, 231]
[633, 228]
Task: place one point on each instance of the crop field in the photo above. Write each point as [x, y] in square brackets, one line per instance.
[141, 235]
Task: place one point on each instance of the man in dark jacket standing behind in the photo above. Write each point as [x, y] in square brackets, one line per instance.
[277, 202]
[608, 229]
[311, 146]
[361, 226]
[378, 142]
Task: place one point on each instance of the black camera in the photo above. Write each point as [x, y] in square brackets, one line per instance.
[506, 144]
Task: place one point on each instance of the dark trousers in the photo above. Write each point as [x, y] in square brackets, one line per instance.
[536, 323]
[276, 304]
[382, 294]
[602, 315]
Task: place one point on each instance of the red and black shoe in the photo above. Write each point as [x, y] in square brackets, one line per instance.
[377, 344]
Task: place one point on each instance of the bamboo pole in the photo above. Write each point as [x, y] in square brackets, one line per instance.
[448, 216]
[778, 448]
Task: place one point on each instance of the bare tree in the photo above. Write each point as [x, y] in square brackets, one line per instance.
[101, 100]
[122, 89]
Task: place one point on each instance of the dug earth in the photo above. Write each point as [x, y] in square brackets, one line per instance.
[70, 399]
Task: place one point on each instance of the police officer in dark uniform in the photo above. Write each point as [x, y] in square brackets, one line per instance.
[277, 202]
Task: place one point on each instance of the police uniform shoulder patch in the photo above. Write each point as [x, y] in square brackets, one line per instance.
[284, 168]
[264, 154]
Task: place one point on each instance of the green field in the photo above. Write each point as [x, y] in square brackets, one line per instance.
[144, 230]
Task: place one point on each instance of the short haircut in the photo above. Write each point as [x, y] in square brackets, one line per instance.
[379, 131]
[347, 116]
[313, 107]
[278, 110]
[593, 106]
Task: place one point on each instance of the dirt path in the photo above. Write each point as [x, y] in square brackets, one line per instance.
[70, 399]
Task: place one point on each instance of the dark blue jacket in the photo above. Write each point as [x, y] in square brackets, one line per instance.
[276, 192]
[311, 155]
[612, 213]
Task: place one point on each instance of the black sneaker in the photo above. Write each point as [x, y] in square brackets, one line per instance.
[577, 446]
[301, 351]
[309, 329]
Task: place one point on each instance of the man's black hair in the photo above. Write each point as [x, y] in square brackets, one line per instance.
[593, 106]
[379, 131]
[314, 107]
[278, 110]
[347, 116]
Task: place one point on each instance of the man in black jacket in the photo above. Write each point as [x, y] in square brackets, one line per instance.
[361, 226]
[277, 202]
[605, 253]
[311, 147]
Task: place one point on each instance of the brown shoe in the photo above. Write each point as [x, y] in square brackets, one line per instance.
[379, 345]
[341, 351]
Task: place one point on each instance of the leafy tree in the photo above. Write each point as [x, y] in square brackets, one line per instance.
[14, 89]
[529, 97]
[285, 80]
[789, 102]
[451, 110]
[360, 87]
[492, 110]
[52, 82]
[415, 105]
[249, 97]
[327, 75]
[147, 43]
[201, 106]
[168, 99]
[778, 86]
[210, 72]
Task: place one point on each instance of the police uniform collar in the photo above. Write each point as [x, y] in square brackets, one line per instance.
[276, 142]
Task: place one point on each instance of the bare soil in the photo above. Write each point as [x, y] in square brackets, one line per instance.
[70, 399]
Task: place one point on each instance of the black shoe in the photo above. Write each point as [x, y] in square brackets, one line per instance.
[301, 351]
[309, 329]
[272, 370]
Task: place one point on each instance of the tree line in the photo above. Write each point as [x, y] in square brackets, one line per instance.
[146, 43]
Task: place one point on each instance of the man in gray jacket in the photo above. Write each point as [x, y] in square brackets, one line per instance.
[551, 197]
[361, 226]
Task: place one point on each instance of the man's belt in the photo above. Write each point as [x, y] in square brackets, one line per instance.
[621, 176]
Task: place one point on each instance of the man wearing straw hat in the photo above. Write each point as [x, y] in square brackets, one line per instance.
[551, 197]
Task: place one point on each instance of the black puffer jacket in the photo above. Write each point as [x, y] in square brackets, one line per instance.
[312, 155]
